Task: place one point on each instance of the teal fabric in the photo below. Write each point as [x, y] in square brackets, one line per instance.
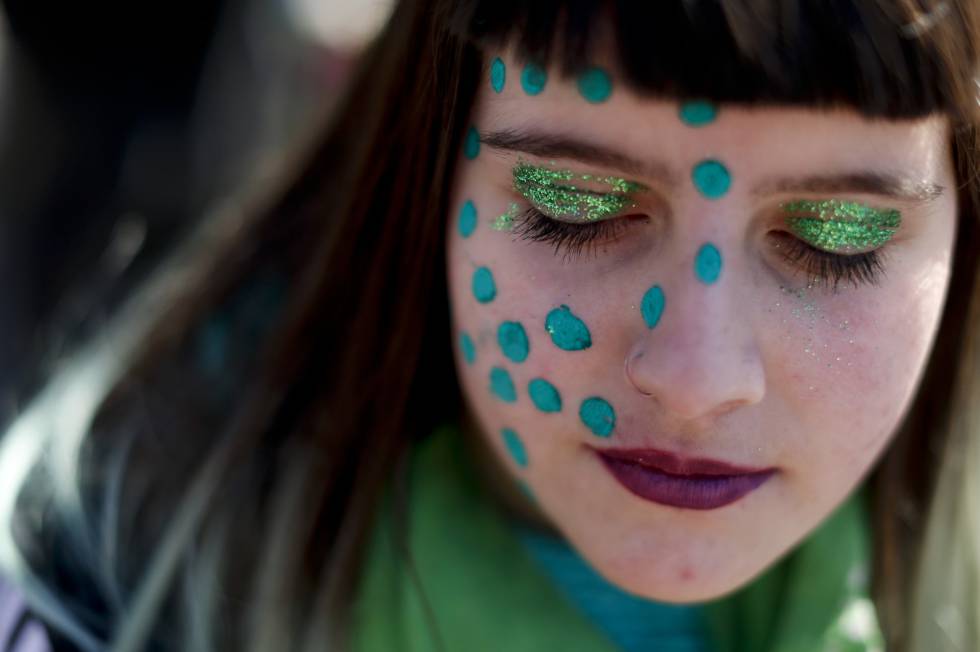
[633, 624]
[458, 579]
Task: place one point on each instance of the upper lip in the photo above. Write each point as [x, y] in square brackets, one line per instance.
[674, 464]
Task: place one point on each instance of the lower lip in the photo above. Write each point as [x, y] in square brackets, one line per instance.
[687, 491]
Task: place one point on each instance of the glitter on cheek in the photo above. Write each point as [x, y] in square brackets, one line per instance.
[598, 416]
[505, 221]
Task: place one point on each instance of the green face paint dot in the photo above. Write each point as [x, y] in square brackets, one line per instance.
[498, 75]
[533, 79]
[595, 85]
[711, 178]
[471, 144]
[484, 289]
[513, 341]
[514, 446]
[698, 113]
[467, 347]
[707, 263]
[652, 306]
[544, 395]
[502, 386]
[567, 331]
[598, 416]
[467, 219]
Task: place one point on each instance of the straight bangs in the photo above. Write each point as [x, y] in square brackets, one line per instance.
[886, 58]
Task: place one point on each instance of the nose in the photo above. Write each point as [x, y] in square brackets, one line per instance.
[702, 358]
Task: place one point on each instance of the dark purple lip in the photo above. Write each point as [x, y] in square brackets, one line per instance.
[690, 483]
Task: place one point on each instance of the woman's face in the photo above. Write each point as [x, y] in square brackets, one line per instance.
[645, 291]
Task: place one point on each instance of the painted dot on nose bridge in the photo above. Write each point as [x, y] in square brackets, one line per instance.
[513, 341]
[467, 219]
[484, 288]
[471, 144]
[598, 416]
[514, 446]
[544, 395]
[711, 178]
[652, 306]
[707, 263]
[567, 331]
[533, 79]
[502, 386]
[498, 75]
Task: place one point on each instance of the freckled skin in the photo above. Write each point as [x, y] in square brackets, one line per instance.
[738, 370]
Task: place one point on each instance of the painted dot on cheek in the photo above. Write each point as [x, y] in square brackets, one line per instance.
[471, 144]
[698, 113]
[502, 386]
[498, 75]
[567, 331]
[514, 446]
[711, 178]
[707, 263]
[467, 219]
[513, 341]
[544, 395]
[595, 85]
[533, 79]
[652, 306]
[598, 416]
[467, 347]
[484, 288]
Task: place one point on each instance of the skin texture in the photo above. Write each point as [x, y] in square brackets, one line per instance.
[755, 369]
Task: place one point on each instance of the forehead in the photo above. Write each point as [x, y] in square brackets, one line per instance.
[758, 138]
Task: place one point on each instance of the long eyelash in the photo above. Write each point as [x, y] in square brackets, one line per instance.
[533, 225]
[830, 269]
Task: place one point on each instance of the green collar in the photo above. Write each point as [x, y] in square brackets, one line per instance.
[474, 589]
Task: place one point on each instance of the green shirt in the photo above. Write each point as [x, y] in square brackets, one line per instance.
[464, 583]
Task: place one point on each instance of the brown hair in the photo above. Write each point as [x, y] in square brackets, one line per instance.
[329, 396]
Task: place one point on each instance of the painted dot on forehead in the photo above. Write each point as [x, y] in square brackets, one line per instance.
[698, 113]
[498, 75]
[711, 178]
[567, 331]
[652, 305]
[598, 416]
[484, 288]
[502, 386]
[707, 263]
[513, 341]
[471, 144]
[467, 347]
[514, 446]
[544, 395]
[595, 85]
[533, 79]
[467, 219]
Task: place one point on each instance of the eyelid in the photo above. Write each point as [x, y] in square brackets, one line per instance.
[837, 225]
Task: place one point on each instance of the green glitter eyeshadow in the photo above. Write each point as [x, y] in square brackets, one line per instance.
[556, 193]
[836, 225]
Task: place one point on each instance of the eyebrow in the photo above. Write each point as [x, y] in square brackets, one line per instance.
[546, 145]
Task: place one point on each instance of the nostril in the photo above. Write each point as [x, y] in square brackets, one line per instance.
[629, 374]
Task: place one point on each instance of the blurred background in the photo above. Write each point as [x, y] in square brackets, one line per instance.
[121, 124]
